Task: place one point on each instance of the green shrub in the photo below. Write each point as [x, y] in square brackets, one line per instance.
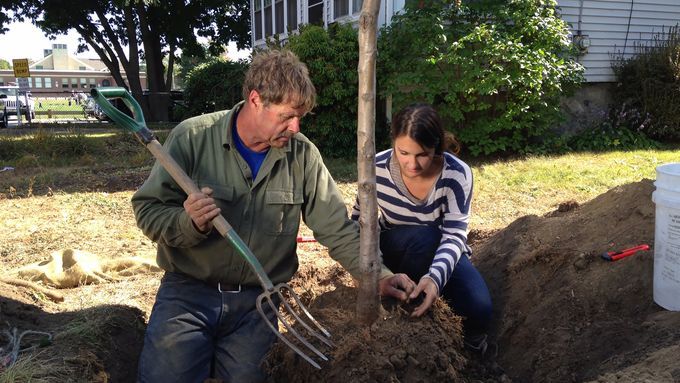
[495, 70]
[332, 57]
[650, 81]
[212, 86]
[623, 129]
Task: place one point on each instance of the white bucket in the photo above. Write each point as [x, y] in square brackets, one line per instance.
[667, 237]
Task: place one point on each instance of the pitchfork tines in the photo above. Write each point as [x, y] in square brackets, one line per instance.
[280, 291]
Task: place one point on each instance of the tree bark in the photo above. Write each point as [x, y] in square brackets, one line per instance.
[106, 43]
[368, 301]
[133, 62]
[158, 97]
[171, 67]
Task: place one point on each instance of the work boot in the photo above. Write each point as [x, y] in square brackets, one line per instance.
[481, 346]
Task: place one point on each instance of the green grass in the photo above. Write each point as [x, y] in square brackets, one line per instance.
[58, 108]
[48, 149]
[58, 104]
[504, 191]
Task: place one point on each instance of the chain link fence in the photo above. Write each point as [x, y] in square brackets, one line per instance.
[54, 107]
[66, 108]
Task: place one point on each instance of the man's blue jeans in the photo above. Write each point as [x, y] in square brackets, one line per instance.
[410, 249]
[196, 332]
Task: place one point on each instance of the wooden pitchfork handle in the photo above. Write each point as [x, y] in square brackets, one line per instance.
[138, 127]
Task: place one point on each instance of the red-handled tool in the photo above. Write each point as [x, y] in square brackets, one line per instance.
[302, 238]
[616, 255]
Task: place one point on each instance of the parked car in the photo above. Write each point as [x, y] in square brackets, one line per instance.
[10, 102]
[92, 109]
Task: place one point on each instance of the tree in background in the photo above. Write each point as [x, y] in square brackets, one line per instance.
[494, 69]
[151, 30]
[4, 64]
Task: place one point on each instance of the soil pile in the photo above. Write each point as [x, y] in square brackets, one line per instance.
[564, 314]
[396, 348]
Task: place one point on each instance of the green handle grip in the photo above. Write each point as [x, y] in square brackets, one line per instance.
[138, 126]
[101, 96]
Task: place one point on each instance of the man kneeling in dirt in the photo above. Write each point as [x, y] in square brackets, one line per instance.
[255, 168]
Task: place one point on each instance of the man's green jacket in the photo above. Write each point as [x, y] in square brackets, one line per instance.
[292, 182]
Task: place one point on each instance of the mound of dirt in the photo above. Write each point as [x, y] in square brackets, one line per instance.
[564, 314]
[396, 348]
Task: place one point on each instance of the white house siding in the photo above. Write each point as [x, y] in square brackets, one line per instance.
[615, 27]
[260, 23]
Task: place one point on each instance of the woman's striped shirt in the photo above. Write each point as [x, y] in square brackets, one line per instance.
[446, 207]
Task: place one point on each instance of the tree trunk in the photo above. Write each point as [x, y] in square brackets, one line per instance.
[368, 301]
[171, 67]
[158, 97]
[134, 76]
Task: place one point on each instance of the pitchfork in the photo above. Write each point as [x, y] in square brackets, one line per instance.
[146, 136]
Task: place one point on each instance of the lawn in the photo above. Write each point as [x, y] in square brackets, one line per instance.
[58, 107]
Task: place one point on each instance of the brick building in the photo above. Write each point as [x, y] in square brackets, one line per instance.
[59, 72]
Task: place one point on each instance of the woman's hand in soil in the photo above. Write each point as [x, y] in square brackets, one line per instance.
[427, 286]
[202, 209]
[397, 286]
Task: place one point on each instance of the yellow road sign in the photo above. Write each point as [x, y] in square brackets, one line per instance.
[21, 68]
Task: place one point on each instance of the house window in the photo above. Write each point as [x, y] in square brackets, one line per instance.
[82, 68]
[291, 6]
[38, 82]
[106, 82]
[278, 16]
[93, 83]
[258, 19]
[74, 82]
[48, 82]
[83, 82]
[315, 12]
[341, 8]
[356, 5]
[267, 18]
[39, 67]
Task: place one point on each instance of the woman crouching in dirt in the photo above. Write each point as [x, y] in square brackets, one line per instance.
[424, 195]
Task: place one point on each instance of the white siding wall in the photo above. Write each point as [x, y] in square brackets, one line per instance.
[611, 25]
[387, 9]
[614, 24]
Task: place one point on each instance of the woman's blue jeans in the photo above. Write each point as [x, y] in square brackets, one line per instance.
[410, 249]
[196, 332]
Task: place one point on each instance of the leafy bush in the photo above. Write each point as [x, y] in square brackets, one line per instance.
[650, 81]
[494, 69]
[214, 85]
[623, 129]
[332, 57]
